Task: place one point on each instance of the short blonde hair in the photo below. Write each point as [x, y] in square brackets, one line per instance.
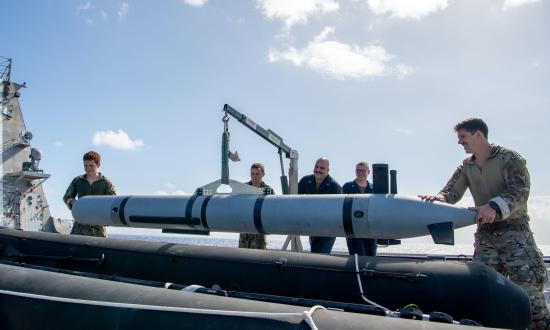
[363, 164]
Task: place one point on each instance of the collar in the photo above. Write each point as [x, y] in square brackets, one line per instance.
[83, 177]
[262, 184]
[495, 149]
[356, 183]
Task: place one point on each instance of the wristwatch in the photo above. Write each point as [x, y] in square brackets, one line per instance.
[495, 207]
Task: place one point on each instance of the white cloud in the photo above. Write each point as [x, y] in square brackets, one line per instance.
[58, 144]
[404, 131]
[339, 60]
[117, 140]
[406, 8]
[169, 193]
[539, 208]
[123, 10]
[539, 212]
[89, 21]
[296, 11]
[103, 14]
[169, 185]
[195, 3]
[83, 7]
[403, 70]
[508, 4]
[535, 64]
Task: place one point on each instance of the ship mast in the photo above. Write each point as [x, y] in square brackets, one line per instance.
[5, 68]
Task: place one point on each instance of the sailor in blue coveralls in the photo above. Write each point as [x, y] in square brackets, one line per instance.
[320, 183]
[360, 246]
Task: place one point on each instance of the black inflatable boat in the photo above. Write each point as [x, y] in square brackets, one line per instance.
[463, 290]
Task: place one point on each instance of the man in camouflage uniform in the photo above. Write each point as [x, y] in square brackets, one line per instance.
[90, 183]
[256, 241]
[499, 182]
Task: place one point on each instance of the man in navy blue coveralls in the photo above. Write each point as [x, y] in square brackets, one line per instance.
[360, 246]
[319, 183]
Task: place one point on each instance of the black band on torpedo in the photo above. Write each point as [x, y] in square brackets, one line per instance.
[203, 211]
[121, 210]
[164, 220]
[258, 214]
[346, 217]
[189, 207]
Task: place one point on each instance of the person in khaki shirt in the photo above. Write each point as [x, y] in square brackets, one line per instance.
[499, 182]
[256, 241]
[90, 183]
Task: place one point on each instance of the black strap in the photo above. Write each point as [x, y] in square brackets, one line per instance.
[258, 214]
[121, 210]
[164, 220]
[189, 207]
[346, 216]
[203, 212]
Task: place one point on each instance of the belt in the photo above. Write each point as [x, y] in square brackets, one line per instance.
[518, 226]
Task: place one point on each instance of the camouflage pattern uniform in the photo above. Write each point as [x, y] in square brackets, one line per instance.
[80, 187]
[507, 245]
[254, 241]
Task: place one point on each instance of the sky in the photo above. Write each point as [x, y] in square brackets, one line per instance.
[383, 81]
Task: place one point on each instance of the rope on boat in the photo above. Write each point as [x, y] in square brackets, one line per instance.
[363, 295]
[307, 316]
[389, 312]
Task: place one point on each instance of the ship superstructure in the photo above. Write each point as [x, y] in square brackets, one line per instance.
[24, 204]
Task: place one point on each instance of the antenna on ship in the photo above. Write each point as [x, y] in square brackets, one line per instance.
[5, 68]
[5, 77]
[8, 89]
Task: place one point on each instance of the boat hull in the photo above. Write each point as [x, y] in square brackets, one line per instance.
[36, 299]
[465, 290]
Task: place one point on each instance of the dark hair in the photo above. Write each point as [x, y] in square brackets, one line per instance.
[473, 125]
[92, 155]
[259, 167]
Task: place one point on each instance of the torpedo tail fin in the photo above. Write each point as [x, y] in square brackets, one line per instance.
[442, 233]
